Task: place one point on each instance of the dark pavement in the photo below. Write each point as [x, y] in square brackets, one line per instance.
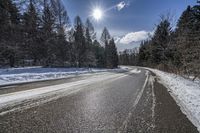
[108, 102]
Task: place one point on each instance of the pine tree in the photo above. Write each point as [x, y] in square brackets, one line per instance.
[62, 46]
[124, 58]
[90, 57]
[187, 40]
[196, 47]
[62, 19]
[114, 53]
[47, 35]
[79, 45]
[30, 24]
[99, 54]
[108, 44]
[144, 56]
[183, 32]
[10, 33]
[160, 43]
[38, 37]
[90, 27]
[105, 36]
[61, 49]
[111, 54]
[48, 19]
[129, 57]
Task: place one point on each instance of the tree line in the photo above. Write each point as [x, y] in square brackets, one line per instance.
[171, 49]
[36, 32]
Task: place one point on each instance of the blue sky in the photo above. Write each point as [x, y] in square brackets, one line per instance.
[135, 18]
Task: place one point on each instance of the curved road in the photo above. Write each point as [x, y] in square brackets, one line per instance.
[104, 102]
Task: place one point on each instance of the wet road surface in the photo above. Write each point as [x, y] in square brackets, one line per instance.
[107, 102]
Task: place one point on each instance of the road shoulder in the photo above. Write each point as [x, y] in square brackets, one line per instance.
[158, 112]
[169, 117]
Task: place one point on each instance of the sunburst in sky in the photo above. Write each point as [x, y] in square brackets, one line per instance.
[97, 14]
[127, 20]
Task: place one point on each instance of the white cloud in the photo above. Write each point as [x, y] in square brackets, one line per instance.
[117, 39]
[134, 37]
[121, 5]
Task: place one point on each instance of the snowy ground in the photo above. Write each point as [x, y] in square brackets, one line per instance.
[41, 95]
[30, 74]
[185, 92]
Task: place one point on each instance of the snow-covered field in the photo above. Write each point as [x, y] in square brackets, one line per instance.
[185, 92]
[30, 74]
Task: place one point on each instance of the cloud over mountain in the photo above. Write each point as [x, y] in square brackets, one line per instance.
[134, 37]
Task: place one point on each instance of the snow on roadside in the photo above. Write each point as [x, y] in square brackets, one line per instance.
[136, 71]
[132, 69]
[185, 92]
[30, 74]
[30, 98]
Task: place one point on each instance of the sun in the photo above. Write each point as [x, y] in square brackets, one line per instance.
[97, 14]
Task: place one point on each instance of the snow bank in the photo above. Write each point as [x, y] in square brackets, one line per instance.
[30, 74]
[25, 99]
[136, 71]
[185, 92]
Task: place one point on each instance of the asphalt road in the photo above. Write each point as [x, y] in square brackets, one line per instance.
[105, 102]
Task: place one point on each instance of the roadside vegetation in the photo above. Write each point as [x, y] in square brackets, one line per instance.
[39, 33]
[170, 49]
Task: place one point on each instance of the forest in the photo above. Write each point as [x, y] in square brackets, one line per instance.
[172, 49]
[39, 33]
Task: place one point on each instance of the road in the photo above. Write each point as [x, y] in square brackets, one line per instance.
[109, 102]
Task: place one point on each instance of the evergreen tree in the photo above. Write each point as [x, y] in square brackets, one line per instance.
[129, 57]
[90, 27]
[99, 54]
[62, 19]
[62, 54]
[111, 54]
[160, 43]
[30, 24]
[105, 36]
[10, 33]
[47, 35]
[114, 53]
[90, 57]
[108, 44]
[144, 56]
[196, 46]
[48, 19]
[124, 58]
[187, 40]
[79, 45]
[61, 50]
[39, 37]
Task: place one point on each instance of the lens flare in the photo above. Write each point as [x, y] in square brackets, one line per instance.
[97, 14]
